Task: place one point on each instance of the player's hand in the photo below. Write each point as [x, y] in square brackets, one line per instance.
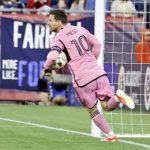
[47, 70]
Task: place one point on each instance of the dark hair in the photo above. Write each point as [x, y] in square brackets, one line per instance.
[59, 15]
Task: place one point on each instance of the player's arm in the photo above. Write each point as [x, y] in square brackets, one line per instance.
[51, 57]
[94, 43]
[56, 48]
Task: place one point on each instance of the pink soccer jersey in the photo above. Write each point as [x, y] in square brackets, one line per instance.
[82, 50]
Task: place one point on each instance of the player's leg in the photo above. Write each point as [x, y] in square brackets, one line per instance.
[102, 123]
[44, 98]
[88, 98]
[108, 99]
[59, 100]
[59, 96]
[105, 94]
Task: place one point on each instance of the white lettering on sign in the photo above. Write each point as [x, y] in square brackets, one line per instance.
[9, 69]
[31, 36]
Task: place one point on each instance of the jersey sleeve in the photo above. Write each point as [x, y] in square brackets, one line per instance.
[55, 49]
[56, 44]
[94, 43]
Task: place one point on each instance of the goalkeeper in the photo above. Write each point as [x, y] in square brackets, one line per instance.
[89, 79]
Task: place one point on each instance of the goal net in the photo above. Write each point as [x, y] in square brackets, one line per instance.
[128, 67]
[123, 32]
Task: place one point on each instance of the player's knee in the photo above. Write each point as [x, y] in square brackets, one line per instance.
[43, 96]
[104, 104]
[93, 111]
[59, 100]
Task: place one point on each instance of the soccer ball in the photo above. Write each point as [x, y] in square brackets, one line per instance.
[60, 62]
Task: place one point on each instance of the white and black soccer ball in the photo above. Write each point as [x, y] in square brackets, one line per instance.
[60, 62]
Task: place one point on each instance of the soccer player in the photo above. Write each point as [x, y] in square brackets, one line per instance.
[89, 79]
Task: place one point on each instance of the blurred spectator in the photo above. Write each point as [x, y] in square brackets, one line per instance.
[90, 5]
[51, 93]
[12, 4]
[24, 2]
[139, 5]
[61, 4]
[107, 5]
[69, 2]
[142, 48]
[38, 3]
[20, 4]
[54, 2]
[44, 10]
[123, 8]
[147, 13]
[43, 6]
[8, 4]
[76, 7]
[1, 4]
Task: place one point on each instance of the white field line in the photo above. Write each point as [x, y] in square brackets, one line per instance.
[44, 126]
[68, 131]
[13, 126]
[134, 143]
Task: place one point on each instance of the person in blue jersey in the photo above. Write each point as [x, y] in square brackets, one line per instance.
[51, 93]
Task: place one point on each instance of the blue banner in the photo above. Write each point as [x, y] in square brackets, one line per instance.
[24, 47]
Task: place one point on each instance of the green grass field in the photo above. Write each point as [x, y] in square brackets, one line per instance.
[29, 134]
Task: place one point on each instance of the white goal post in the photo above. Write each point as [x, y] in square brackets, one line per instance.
[99, 33]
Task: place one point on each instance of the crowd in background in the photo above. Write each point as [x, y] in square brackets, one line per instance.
[76, 6]
[72, 5]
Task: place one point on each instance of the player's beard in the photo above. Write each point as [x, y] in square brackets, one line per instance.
[53, 29]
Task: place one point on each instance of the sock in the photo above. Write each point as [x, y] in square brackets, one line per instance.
[101, 122]
[110, 134]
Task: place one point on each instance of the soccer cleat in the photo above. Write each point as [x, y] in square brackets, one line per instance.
[111, 139]
[125, 99]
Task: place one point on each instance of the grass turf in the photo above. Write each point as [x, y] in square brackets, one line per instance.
[16, 136]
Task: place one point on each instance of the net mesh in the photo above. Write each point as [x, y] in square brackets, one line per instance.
[128, 67]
